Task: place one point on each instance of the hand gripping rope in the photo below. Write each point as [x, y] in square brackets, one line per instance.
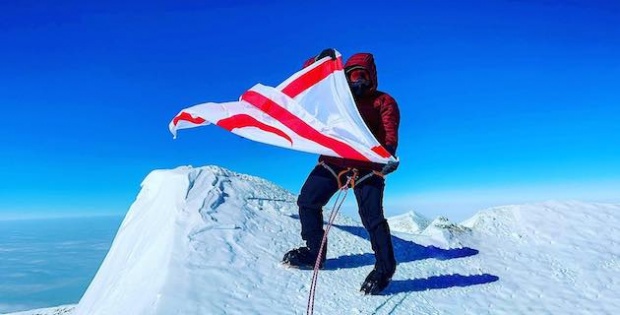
[351, 180]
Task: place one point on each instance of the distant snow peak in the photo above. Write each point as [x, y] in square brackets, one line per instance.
[410, 222]
[494, 219]
[439, 231]
[447, 233]
[444, 224]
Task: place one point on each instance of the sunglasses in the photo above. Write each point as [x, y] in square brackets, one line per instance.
[358, 75]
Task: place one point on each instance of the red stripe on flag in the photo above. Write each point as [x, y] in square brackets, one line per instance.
[381, 151]
[243, 120]
[187, 117]
[312, 77]
[300, 127]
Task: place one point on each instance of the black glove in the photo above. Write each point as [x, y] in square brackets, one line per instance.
[326, 52]
[390, 167]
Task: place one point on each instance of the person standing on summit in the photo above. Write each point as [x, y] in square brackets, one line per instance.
[381, 114]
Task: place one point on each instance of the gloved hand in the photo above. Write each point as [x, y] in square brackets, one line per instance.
[390, 167]
[326, 52]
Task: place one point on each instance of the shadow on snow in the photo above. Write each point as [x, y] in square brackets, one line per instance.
[408, 251]
[405, 251]
[438, 282]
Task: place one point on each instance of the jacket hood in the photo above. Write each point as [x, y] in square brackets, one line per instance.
[365, 61]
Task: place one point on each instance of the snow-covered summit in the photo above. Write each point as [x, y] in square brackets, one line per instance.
[209, 241]
[187, 232]
[409, 222]
[444, 233]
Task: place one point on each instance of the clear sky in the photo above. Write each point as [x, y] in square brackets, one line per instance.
[502, 101]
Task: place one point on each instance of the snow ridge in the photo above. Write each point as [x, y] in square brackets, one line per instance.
[208, 241]
[185, 225]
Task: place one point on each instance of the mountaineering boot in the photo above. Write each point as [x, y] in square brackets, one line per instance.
[375, 282]
[303, 258]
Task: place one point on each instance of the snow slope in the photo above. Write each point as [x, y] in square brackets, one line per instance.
[209, 241]
[58, 310]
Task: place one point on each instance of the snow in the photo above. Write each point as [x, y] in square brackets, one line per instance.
[209, 241]
[410, 222]
[58, 310]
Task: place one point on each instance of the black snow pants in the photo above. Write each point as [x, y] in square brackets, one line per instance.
[320, 186]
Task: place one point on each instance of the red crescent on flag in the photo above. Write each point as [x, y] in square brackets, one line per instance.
[243, 120]
[187, 117]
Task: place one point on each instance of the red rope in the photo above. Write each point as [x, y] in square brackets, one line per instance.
[337, 204]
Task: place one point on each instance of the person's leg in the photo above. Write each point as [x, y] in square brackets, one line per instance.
[319, 187]
[369, 195]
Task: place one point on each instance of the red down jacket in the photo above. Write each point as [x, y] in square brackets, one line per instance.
[379, 111]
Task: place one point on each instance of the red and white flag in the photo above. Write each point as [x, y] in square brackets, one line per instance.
[311, 111]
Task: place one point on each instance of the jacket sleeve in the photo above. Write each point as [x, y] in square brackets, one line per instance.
[390, 118]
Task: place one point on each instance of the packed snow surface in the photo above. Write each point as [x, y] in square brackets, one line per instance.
[209, 241]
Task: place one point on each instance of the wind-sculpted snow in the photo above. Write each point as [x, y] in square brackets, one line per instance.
[410, 222]
[565, 255]
[209, 241]
[182, 238]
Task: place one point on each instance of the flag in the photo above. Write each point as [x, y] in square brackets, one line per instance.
[311, 111]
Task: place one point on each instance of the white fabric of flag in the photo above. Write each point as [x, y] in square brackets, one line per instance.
[311, 111]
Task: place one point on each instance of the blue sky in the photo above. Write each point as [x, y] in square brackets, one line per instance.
[501, 101]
